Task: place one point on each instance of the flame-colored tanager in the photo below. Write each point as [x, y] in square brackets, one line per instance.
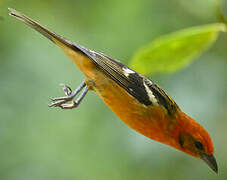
[135, 99]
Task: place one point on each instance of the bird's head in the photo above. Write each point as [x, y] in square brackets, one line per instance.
[193, 139]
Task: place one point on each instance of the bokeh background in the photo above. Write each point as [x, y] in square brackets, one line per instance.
[90, 142]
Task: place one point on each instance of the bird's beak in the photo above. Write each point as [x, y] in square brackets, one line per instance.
[211, 161]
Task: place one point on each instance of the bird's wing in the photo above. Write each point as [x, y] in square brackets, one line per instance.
[139, 86]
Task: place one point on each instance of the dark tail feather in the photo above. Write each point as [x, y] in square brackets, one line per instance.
[44, 31]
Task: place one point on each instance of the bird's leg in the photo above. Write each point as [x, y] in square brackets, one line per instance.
[62, 101]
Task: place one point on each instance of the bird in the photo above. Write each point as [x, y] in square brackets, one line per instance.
[134, 98]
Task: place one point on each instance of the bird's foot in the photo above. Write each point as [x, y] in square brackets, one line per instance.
[62, 102]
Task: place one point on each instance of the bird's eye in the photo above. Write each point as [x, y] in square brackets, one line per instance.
[199, 145]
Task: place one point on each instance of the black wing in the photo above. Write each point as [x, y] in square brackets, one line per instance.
[140, 87]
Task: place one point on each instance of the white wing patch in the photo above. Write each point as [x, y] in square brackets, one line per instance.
[150, 94]
[127, 71]
[92, 52]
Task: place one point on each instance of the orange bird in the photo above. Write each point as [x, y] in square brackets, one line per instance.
[135, 99]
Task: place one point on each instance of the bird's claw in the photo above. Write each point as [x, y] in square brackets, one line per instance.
[61, 101]
[66, 89]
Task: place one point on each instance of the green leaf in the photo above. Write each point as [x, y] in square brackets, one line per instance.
[174, 51]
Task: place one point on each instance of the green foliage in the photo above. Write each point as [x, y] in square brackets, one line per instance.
[172, 52]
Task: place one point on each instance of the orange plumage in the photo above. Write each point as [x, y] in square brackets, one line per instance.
[135, 99]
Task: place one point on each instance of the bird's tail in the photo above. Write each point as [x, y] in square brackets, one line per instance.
[44, 31]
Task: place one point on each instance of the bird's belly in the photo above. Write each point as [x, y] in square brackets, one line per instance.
[147, 120]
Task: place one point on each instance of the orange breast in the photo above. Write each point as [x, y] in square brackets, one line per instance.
[150, 121]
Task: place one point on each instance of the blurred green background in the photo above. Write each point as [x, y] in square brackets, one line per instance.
[90, 142]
